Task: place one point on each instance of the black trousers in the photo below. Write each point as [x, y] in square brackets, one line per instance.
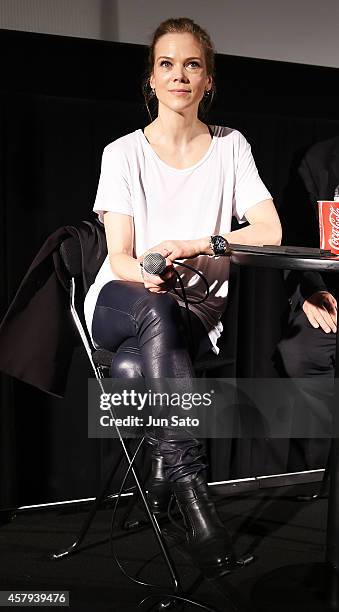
[307, 352]
[150, 334]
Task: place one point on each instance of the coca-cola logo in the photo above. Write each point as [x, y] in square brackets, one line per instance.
[334, 222]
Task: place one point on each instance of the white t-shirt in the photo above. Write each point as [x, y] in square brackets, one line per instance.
[167, 203]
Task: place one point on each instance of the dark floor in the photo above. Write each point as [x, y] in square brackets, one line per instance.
[275, 526]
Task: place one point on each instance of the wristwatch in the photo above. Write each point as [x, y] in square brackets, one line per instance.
[219, 246]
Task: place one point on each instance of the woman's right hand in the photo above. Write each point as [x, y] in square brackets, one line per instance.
[163, 283]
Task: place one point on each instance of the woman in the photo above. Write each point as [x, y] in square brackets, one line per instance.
[173, 189]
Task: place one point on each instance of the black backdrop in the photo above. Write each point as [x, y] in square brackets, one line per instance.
[61, 101]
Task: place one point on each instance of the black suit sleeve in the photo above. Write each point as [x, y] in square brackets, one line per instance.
[301, 285]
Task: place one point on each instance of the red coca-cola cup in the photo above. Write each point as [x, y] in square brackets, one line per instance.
[329, 225]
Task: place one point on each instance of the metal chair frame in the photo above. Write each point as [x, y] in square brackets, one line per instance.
[100, 362]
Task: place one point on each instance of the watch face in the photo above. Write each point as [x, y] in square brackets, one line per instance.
[219, 245]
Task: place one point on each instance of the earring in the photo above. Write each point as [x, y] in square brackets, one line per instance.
[207, 93]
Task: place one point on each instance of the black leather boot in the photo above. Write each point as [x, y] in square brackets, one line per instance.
[159, 488]
[209, 543]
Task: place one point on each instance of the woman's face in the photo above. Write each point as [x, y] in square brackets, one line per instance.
[179, 73]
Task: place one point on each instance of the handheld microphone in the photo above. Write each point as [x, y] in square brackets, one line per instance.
[154, 263]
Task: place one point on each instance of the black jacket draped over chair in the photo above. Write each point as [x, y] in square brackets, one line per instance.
[37, 334]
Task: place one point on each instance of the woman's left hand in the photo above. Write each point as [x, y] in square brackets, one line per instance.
[178, 249]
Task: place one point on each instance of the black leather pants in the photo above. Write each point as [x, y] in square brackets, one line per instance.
[149, 332]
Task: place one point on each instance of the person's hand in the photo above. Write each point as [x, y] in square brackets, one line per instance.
[159, 284]
[156, 283]
[178, 249]
[321, 311]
